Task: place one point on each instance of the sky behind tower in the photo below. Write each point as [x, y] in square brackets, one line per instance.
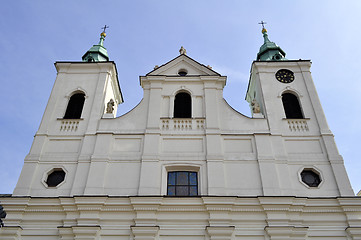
[223, 34]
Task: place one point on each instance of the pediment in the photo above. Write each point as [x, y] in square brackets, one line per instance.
[183, 62]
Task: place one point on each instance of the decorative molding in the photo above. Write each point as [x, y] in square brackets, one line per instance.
[220, 232]
[77, 90]
[10, 233]
[352, 210]
[354, 232]
[69, 125]
[145, 232]
[154, 216]
[183, 124]
[86, 232]
[297, 125]
[290, 90]
[182, 89]
[66, 233]
[287, 232]
[182, 210]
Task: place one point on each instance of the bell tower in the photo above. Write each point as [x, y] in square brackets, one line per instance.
[286, 96]
[84, 92]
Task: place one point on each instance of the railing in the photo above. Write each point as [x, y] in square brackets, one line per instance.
[69, 125]
[182, 124]
[297, 125]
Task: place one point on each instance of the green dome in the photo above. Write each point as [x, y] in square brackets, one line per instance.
[97, 53]
[269, 51]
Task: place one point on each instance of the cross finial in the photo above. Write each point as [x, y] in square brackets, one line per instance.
[105, 27]
[263, 23]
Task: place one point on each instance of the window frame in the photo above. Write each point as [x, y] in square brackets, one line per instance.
[316, 171]
[189, 184]
[51, 170]
[184, 166]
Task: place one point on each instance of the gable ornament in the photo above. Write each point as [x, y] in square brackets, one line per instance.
[182, 50]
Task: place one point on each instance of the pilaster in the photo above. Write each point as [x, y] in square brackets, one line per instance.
[338, 167]
[149, 181]
[267, 166]
[98, 165]
[215, 165]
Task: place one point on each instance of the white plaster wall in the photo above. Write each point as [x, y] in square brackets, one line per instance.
[234, 155]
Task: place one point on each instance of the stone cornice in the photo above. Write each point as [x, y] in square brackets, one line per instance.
[146, 217]
[165, 203]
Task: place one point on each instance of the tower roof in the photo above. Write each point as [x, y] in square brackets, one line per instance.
[97, 53]
[270, 51]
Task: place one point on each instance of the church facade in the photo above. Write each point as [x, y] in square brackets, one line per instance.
[183, 164]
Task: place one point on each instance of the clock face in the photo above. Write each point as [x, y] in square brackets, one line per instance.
[285, 76]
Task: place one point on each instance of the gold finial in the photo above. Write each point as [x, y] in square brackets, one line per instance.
[264, 30]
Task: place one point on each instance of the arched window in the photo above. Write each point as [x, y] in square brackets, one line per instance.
[182, 105]
[291, 105]
[75, 106]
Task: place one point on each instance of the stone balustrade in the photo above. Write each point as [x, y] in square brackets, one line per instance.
[182, 124]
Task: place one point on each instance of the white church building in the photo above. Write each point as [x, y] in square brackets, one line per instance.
[183, 164]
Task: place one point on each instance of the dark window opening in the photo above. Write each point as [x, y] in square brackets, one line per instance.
[182, 105]
[75, 106]
[292, 106]
[182, 183]
[311, 178]
[55, 178]
[182, 73]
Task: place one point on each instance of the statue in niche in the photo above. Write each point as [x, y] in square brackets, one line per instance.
[255, 106]
[110, 106]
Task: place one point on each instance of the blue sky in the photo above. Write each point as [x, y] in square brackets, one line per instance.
[223, 34]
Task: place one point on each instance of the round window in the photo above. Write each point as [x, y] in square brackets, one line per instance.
[182, 72]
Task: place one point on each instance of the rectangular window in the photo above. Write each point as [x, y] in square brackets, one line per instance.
[182, 183]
